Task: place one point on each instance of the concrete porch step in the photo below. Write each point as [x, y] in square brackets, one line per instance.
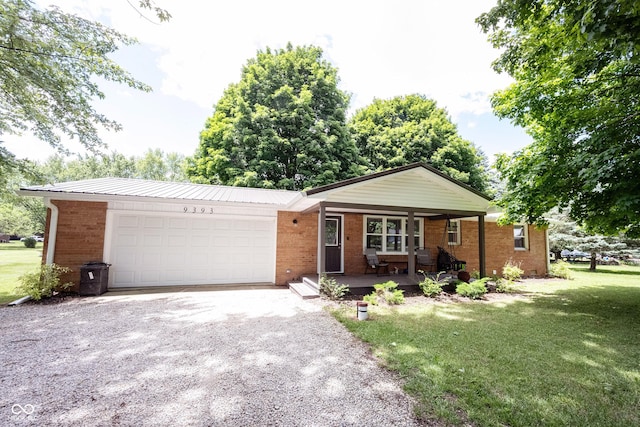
[311, 283]
[304, 290]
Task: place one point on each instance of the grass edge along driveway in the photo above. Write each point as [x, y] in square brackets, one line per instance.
[16, 260]
[568, 353]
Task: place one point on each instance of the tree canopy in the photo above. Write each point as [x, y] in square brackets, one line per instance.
[577, 92]
[26, 215]
[49, 65]
[407, 129]
[282, 126]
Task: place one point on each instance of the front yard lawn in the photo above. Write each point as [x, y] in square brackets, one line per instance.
[15, 260]
[567, 353]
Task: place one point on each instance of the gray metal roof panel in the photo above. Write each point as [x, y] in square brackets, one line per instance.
[168, 190]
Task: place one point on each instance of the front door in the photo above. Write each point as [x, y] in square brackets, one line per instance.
[333, 244]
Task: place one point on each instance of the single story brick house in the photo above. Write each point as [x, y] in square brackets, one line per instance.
[166, 233]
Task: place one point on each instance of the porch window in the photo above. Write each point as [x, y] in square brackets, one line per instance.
[453, 232]
[520, 237]
[389, 234]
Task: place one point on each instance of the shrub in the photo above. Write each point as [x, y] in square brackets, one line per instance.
[503, 285]
[473, 290]
[29, 242]
[331, 289]
[43, 282]
[372, 298]
[431, 287]
[512, 271]
[475, 274]
[561, 269]
[385, 292]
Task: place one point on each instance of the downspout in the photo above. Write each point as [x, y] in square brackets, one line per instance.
[546, 246]
[53, 231]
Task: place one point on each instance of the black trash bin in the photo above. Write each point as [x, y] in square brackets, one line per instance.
[94, 278]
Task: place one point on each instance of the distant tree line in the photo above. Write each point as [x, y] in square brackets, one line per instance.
[23, 216]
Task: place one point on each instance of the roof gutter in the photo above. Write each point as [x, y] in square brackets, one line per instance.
[53, 230]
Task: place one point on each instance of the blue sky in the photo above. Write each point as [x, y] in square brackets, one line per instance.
[381, 49]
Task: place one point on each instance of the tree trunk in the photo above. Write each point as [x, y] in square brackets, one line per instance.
[592, 265]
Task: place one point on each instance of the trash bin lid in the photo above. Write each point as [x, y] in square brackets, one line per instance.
[95, 264]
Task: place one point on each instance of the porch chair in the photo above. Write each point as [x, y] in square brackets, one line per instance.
[373, 263]
[423, 259]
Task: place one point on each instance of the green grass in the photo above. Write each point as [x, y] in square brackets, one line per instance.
[567, 355]
[15, 260]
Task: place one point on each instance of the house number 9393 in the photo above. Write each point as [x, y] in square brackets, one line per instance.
[196, 210]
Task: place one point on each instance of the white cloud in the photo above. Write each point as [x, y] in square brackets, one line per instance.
[382, 49]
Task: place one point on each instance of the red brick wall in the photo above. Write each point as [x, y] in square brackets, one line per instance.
[296, 247]
[499, 248]
[80, 236]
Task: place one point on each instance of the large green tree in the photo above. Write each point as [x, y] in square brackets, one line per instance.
[577, 92]
[50, 62]
[408, 129]
[282, 126]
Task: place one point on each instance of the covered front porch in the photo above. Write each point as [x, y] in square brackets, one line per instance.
[381, 212]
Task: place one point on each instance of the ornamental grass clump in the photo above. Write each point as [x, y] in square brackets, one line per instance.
[512, 271]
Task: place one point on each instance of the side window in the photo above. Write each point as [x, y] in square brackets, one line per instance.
[520, 237]
[453, 232]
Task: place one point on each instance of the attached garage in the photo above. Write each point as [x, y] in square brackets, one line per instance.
[164, 233]
[159, 249]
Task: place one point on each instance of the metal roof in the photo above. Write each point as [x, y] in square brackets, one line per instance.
[125, 187]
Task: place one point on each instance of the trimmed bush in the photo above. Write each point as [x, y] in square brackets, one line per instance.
[473, 290]
[29, 242]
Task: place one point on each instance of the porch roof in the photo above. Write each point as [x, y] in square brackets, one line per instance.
[417, 187]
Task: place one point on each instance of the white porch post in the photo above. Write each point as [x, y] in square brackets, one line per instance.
[321, 237]
[411, 249]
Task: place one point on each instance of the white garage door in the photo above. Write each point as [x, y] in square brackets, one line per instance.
[157, 250]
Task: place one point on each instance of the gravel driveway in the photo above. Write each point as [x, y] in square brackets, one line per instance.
[221, 358]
